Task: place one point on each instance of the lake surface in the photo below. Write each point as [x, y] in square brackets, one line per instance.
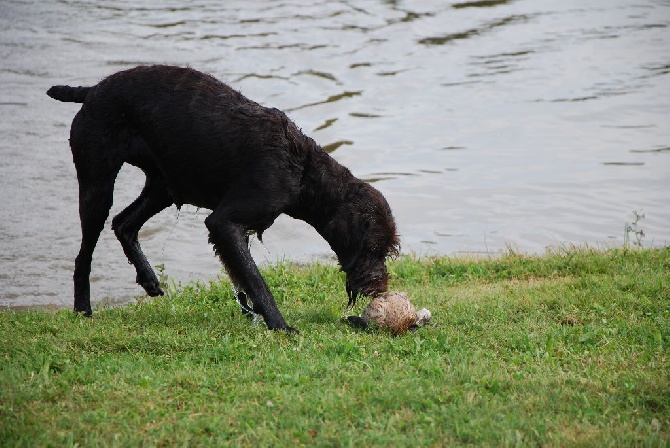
[486, 124]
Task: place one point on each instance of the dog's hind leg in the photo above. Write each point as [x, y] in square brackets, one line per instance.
[127, 224]
[95, 200]
[96, 176]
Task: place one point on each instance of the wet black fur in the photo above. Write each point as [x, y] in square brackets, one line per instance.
[201, 142]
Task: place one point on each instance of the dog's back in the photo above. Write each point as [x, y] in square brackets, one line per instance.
[201, 134]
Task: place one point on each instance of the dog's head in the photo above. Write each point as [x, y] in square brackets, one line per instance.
[373, 239]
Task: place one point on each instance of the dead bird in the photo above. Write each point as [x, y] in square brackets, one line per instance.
[392, 310]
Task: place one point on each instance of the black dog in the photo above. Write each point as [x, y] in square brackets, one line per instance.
[200, 142]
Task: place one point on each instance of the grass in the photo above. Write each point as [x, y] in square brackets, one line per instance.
[566, 349]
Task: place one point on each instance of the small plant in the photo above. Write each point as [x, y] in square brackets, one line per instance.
[633, 229]
[163, 278]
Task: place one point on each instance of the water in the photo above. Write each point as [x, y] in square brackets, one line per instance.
[486, 124]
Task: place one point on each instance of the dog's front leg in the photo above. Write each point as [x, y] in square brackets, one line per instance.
[229, 240]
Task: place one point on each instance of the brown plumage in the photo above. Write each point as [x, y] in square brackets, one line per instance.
[392, 310]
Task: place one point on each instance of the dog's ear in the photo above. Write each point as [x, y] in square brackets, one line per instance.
[385, 235]
[383, 225]
[393, 250]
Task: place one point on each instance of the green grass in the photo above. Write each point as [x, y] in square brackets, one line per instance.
[567, 349]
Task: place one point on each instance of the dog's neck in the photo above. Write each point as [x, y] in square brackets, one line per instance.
[326, 204]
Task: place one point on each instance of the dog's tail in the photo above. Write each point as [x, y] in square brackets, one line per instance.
[69, 94]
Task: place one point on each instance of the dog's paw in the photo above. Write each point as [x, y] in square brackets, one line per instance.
[86, 312]
[152, 287]
[287, 329]
[155, 290]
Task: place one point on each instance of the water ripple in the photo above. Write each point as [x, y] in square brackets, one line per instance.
[480, 4]
[330, 99]
[473, 32]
